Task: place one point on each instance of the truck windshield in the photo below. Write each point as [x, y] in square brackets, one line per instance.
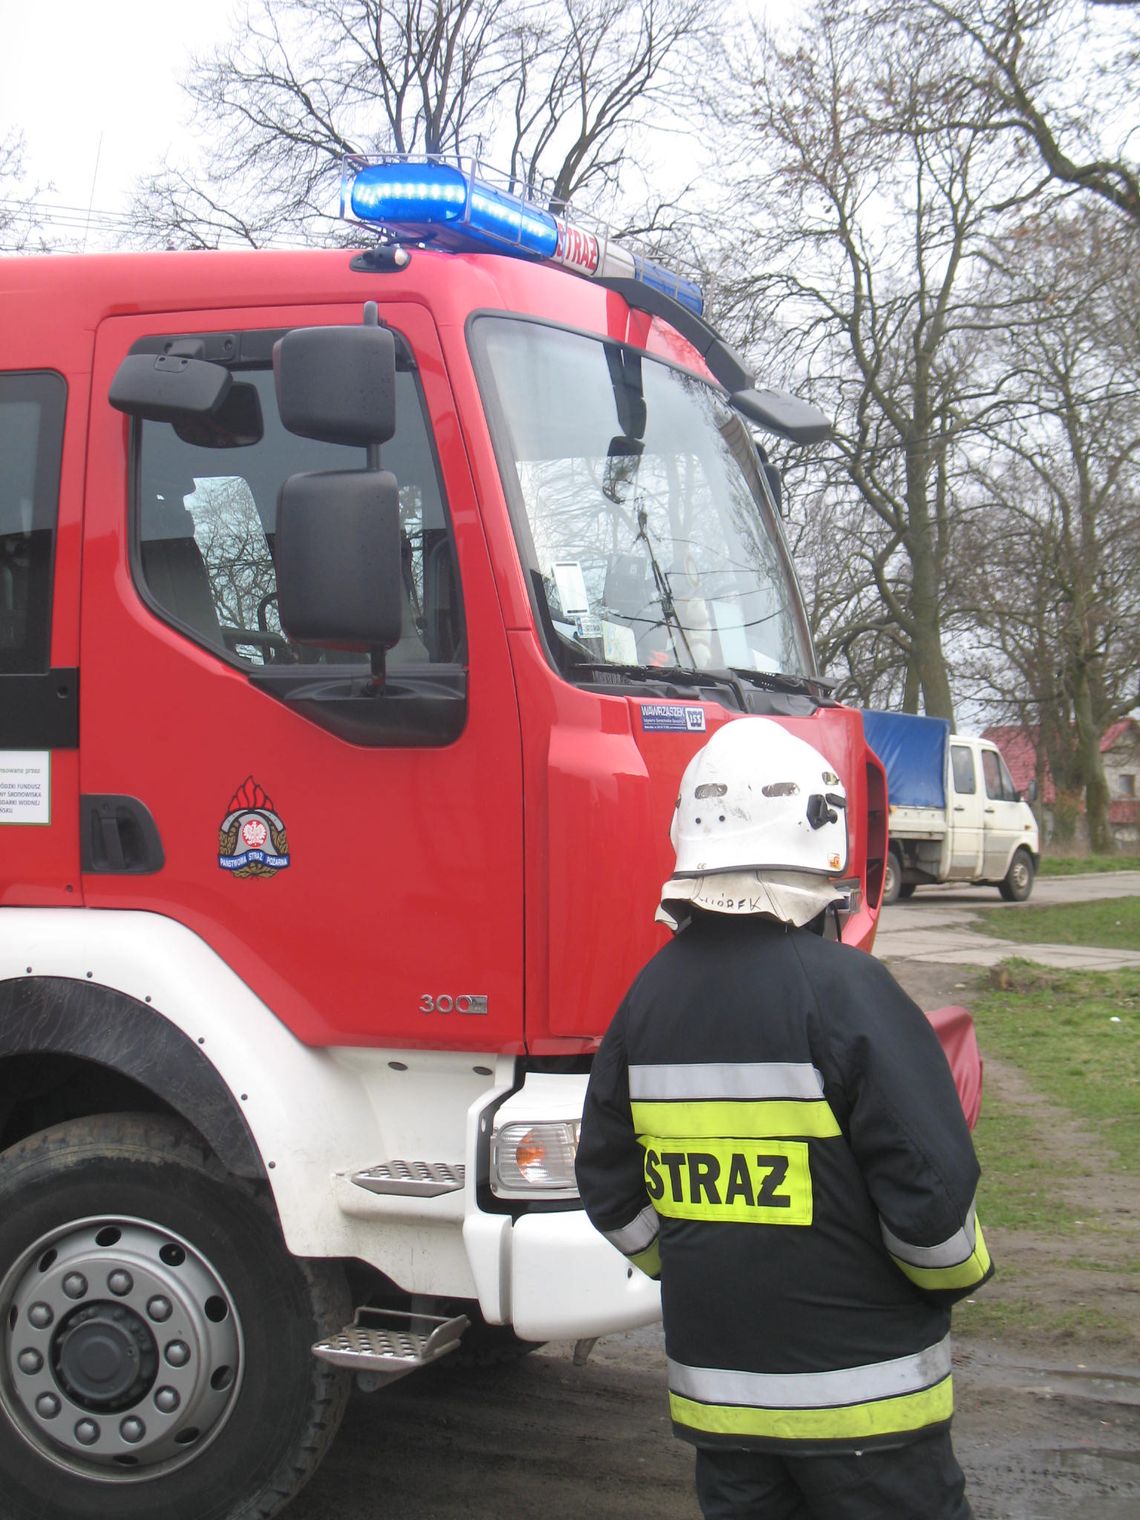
[639, 508]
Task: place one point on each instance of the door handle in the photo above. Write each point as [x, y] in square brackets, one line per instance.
[120, 838]
[989, 810]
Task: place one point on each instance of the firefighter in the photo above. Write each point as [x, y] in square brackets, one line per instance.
[772, 1129]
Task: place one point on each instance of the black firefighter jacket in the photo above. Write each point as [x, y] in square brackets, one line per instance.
[771, 1127]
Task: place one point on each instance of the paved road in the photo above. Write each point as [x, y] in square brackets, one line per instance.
[934, 926]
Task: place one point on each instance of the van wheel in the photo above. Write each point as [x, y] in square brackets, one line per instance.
[1018, 881]
[157, 1352]
[892, 878]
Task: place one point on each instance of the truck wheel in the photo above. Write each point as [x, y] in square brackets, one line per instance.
[156, 1357]
[892, 878]
[1018, 881]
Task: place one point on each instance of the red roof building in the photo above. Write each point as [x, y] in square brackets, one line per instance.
[1120, 747]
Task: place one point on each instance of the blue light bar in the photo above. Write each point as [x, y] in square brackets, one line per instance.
[444, 204]
[454, 208]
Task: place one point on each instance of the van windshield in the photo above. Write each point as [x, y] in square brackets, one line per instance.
[639, 507]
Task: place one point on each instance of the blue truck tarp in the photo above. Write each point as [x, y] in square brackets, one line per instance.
[913, 751]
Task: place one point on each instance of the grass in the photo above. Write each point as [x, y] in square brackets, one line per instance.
[1023, 1317]
[1023, 1188]
[1057, 1028]
[1074, 1035]
[1079, 865]
[1113, 923]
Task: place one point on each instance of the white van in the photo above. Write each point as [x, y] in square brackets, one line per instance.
[954, 812]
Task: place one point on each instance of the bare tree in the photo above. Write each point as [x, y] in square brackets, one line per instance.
[873, 216]
[1062, 76]
[555, 90]
[20, 226]
[1054, 554]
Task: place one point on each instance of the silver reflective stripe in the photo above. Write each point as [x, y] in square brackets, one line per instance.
[634, 1237]
[750, 1082]
[959, 1247]
[813, 1390]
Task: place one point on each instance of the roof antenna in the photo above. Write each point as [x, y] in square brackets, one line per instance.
[91, 197]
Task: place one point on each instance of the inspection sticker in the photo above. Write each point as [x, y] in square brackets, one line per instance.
[25, 786]
[672, 718]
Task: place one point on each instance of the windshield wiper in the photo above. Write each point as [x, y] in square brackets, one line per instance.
[661, 581]
[776, 680]
[663, 675]
[734, 679]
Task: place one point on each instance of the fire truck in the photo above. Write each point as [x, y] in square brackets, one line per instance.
[359, 612]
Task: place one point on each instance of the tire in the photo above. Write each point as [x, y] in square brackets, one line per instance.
[892, 878]
[1018, 881]
[157, 1358]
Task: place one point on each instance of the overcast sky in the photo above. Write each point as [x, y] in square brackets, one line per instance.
[93, 86]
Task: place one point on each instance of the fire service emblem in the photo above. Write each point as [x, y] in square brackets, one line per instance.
[251, 840]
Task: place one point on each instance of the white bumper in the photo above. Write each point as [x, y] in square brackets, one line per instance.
[568, 1282]
[553, 1277]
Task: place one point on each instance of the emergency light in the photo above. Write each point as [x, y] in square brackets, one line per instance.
[445, 204]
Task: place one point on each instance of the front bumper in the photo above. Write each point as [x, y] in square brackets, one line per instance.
[551, 1276]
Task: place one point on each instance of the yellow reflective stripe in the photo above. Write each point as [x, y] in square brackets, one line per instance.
[758, 1119]
[883, 1417]
[964, 1275]
[649, 1260]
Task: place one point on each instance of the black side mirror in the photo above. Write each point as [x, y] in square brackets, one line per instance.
[337, 384]
[337, 554]
[775, 479]
[783, 414]
[167, 387]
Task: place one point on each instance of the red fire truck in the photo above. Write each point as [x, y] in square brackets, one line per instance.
[359, 612]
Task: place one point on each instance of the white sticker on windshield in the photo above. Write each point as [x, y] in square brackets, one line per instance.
[571, 585]
[620, 643]
[588, 627]
[733, 638]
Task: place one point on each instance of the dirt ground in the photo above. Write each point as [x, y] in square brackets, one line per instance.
[1048, 1425]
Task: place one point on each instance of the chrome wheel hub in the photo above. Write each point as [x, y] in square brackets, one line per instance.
[123, 1351]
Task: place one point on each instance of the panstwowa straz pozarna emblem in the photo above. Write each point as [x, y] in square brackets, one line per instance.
[251, 840]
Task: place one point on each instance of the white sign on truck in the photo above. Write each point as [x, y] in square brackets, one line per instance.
[954, 813]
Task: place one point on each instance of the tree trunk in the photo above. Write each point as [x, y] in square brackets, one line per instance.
[927, 661]
[1095, 782]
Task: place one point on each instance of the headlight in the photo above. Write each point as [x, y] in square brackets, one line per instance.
[535, 1158]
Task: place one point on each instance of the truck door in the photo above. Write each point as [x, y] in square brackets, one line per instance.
[1003, 816]
[965, 815]
[40, 496]
[358, 863]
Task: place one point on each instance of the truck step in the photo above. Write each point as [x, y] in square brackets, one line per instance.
[412, 1179]
[386, 1344]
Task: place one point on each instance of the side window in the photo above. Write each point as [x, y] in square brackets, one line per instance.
[999, 783]
[31, 439]
[206, 518]
[991, 770]
[962, 762]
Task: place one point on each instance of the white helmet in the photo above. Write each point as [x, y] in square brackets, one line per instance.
[756, 798]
